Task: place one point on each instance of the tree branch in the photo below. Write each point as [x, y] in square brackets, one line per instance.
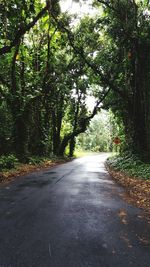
[94, 112]
[13, 70]
[23, 30]
[104, 78]
[82, 125]
[107, 4]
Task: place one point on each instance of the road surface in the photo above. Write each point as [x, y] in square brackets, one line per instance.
[72, 215]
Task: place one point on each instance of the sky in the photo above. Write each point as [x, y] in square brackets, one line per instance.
[75, 7]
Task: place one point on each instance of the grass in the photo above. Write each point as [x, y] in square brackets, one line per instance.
[80, 153]
[10, 167]
[130, 165]
[133, 174]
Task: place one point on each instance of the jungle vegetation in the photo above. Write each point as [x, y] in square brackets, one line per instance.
[49, 67]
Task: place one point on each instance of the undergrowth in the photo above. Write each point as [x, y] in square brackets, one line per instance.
[10, 162]
[130, 165]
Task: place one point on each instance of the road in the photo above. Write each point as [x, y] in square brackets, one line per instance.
[72, 215]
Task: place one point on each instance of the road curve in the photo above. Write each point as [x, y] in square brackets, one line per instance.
[72, 215]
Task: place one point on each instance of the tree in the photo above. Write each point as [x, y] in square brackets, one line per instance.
[48, 69]
[20, 88]
[98, 135]
[16, 15]
[122, 31]
[128, 27]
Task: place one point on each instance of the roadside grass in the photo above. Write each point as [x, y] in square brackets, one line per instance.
[133, 174]
[81, 153]
[130, 165]
[10, 167]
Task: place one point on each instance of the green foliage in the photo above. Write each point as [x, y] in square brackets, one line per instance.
[117, 130]
[130, 165]
[51, 71]
[34, 160]
[98, 135]
[127, 57]
[5, 129]
[8, 162]
[80, 153]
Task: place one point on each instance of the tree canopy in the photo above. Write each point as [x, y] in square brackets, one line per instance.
[49, 66]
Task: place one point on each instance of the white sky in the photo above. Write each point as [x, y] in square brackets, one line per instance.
[75, 7]
[90, 102]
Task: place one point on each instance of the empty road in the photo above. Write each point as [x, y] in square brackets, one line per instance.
[72, 215]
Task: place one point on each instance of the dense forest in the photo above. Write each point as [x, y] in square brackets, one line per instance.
[101, 134]
[50, 65]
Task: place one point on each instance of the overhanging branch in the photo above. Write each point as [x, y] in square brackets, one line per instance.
[23, 30]
[106, 4]
[104, 78]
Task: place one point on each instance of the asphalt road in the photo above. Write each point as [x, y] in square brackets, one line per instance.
[72, 215]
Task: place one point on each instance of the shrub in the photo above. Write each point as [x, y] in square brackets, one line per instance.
[35, 160]
[131, 165]
[8, 162]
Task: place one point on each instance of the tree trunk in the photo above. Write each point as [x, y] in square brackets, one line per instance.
[141, 104]
[19, 113]
[20, 135]
[72, 147]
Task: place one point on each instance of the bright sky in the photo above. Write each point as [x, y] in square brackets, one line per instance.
[90, 102]
[76, 7]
